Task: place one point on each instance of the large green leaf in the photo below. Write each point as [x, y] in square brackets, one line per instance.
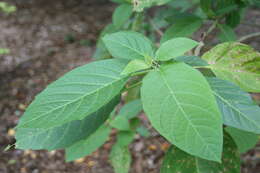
[88, 145]
[174, 48]
[122, 14]
[128, 45]
[120, 158]
[177, 161]
[64, 135]
[237, 107]
[75, 95]
[237, 63]
[182, 108]
[244, 140]
[182, 28]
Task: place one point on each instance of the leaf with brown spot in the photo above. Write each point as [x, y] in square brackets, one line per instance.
[230, 160]
[177, 161]
[236, 62]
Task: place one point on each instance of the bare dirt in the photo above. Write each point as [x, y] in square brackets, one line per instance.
[48, 38]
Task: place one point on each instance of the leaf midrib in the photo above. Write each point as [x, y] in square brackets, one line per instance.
[182, 110]
[233, 107]
[75, 100]
[124, 45]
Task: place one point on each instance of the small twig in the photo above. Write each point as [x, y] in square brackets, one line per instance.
[246, 37]
[156, 28]
[133, 86]
[137, 21]
[251, 24]
[204, 36]
[198, 48]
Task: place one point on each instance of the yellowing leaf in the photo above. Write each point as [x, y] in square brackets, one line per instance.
[237, 63]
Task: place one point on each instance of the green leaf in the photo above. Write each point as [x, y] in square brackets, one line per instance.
[64, 135]
[135, 66]
[206, 6]
[177, 15]
[101, 51]
[134, 123]
[76, 95]
[122, 14]
[244, 140]
[87, 146]
[237, 107]
[181, 107]
[128, 45]
[131, 109]
[230, 160]
[143, 131]
[139, 5]
[120, 158]
[182, 6]
[227, 33]
[124, 138]
[109, 29]
[237, 63]
[182, 28]
[7, 8]
[4, 51]
[233, 19]
[192, 60]
[120, 123]
[174, 48]
[177, 161]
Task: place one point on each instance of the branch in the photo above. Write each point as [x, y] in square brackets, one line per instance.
[246, 37]
[204, 36]
[156, 28]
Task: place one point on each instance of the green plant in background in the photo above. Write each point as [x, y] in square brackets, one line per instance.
[4, 51]
[199, 104]
[7, 9]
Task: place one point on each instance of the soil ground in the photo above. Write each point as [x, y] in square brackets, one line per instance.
[48, 38]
